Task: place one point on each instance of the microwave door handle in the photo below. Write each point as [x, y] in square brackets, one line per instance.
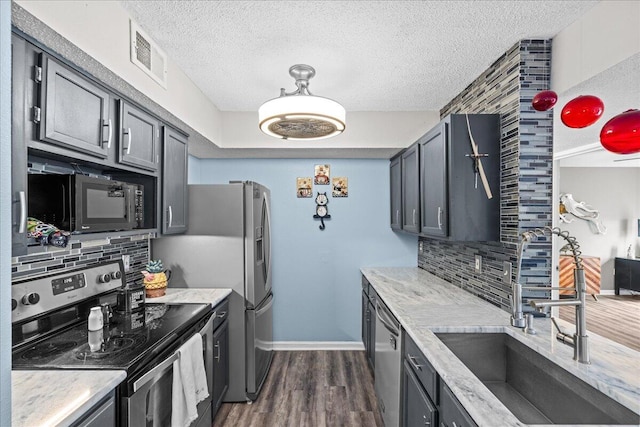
[22, 196]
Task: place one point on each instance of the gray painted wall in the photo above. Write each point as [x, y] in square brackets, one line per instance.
[615, 193]
[5, 213]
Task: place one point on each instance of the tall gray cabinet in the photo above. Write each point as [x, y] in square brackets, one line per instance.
[410, 190]
[395, 172]
[174, 182]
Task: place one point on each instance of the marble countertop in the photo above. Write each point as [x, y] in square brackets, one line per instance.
[192, 295]
[425, 304]
[58, 398]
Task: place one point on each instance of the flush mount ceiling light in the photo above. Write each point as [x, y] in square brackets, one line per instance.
[299, 115]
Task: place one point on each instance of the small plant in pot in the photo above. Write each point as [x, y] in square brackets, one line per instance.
[155, 279]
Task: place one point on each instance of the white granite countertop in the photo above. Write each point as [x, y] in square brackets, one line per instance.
[192, 295]
[58, 398]
[425, 304]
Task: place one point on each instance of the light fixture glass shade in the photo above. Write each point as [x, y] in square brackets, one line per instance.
[302, 117]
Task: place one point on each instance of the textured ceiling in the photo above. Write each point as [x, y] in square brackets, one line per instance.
[369, 55]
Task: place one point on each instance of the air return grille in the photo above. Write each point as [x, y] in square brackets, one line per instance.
[146, 55]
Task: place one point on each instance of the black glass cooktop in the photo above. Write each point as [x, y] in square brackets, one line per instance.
[125, 342]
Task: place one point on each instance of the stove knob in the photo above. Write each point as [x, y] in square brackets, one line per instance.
[104, 278]
[115, 275]
[31, 298]
[14, 304]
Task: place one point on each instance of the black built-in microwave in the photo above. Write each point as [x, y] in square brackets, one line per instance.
[84, 204]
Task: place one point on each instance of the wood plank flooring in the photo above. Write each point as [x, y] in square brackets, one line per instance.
[310, 388]
[614, 317]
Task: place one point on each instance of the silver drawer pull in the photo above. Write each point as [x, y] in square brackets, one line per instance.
[216, 347]
[222, 314]
[415, 364]
[426, 420]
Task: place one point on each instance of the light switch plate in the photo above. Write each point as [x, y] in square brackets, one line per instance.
[478, 263]
[126, 261]
[506, 272]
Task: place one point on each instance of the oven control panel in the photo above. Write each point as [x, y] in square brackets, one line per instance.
[34, 297]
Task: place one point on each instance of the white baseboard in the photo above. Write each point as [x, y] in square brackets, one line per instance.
[318, 345]
[607, 292]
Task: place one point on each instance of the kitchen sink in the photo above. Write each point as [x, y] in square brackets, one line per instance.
[534, 389]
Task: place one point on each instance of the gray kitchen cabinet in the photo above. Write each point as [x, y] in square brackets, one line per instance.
[18, 148]
[433, 180]
[73, 111]
[453, 202]
[139, 138]
[410, 189]
[220, 355]
[103, 414]
[174, 182]
[395, 172]
[452, 413]
[627, 274]
[417, 408]
[419, 389]
[369, 322]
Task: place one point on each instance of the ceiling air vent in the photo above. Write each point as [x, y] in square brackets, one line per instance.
[146, 55]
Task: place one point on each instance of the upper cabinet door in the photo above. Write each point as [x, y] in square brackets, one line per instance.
[75, 111]
[174, 183]
[410, 190]
[395, 170]
[139, 138]
[433, 180]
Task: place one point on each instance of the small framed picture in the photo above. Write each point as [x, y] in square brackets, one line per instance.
[340, 186]
[303, 187]
[321, 175]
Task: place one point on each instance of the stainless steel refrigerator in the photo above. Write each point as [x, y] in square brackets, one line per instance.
[228, 245]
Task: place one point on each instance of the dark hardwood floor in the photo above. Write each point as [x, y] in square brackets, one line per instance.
[614, 317]
[310, 388]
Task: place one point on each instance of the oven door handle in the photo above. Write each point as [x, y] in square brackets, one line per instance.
[152, 373]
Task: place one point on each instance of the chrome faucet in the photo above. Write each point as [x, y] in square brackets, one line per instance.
[579, 341]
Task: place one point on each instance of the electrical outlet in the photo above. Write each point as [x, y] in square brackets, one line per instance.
[478, 263]
[127, 262]
[506, 272]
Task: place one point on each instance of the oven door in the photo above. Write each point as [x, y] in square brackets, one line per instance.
[103, 205]
[150, 403]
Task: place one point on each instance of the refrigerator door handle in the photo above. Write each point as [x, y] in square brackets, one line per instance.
[267, 250]
[266, 307]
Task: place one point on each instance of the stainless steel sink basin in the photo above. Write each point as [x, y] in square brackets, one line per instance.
[534, 389]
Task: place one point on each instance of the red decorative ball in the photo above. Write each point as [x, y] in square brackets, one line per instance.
[582, 111]
[544, 100]
[621, 134]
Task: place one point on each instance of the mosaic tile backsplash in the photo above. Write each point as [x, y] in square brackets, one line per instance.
[526, 147]
[83, 254]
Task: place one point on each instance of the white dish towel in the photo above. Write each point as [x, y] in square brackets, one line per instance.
[189, 383]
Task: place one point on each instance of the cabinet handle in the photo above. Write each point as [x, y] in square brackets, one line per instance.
[216, 347]
[453, 424]
[128, 145]
[110, 128]
[414, 217]
[426, 420]
[415, 364]
[397, 216]
[439, 218]
[170, 216]
[222, 314]
[22, 197]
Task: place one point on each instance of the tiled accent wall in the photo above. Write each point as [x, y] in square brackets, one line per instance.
[82, 254]
[526, 147]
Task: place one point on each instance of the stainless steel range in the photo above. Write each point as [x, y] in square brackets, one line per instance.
[51, 331]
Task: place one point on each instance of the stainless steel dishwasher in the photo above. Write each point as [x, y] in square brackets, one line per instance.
[388, 356]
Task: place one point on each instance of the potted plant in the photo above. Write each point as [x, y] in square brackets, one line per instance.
[155, 279]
